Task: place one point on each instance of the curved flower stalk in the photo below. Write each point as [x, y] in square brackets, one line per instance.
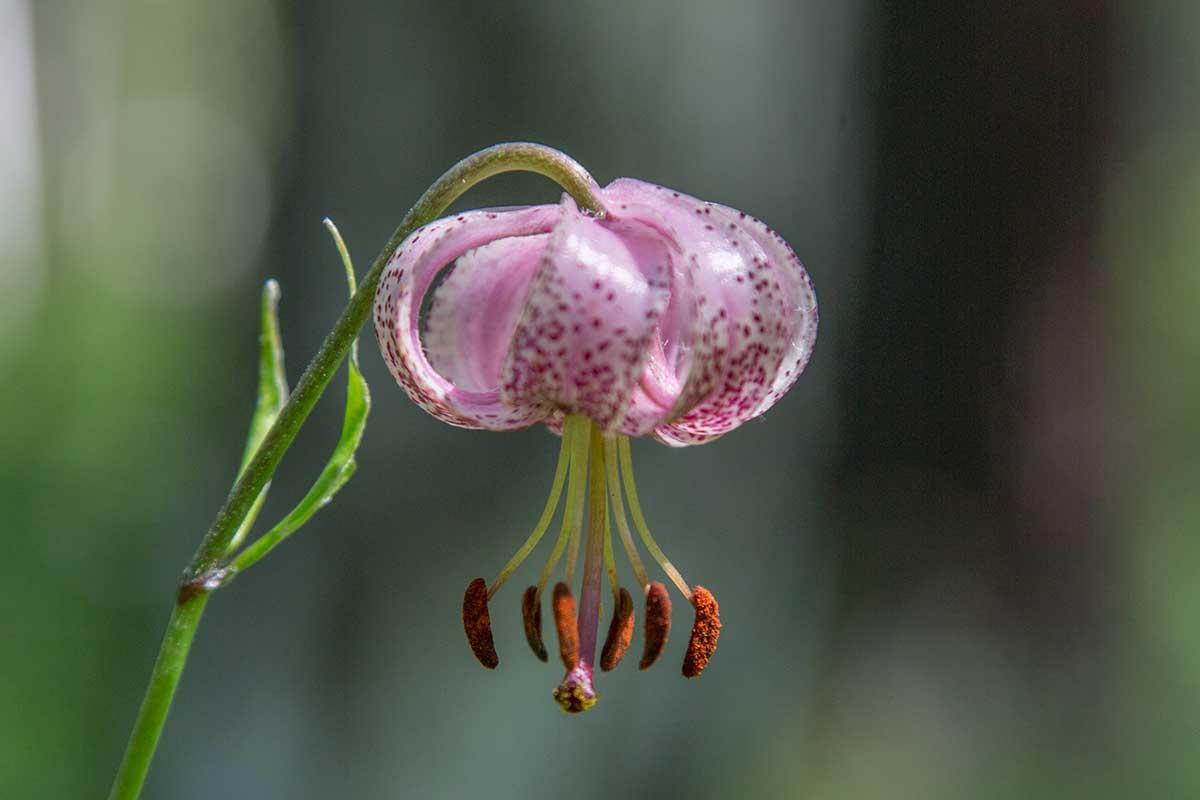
[667, 316]
[277, 419]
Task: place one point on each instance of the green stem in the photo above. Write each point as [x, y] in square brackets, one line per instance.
[206, 572]
[462, 176]
[163, 680]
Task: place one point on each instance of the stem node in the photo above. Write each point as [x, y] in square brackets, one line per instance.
[202, 584]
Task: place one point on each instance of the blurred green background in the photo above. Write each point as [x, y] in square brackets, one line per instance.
[959, 559]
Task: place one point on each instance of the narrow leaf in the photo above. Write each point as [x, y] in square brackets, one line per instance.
[341, 464]
[272, 394]
[272, 380]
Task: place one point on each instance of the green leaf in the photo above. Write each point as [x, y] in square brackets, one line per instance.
[341, 464]
[272, 394]
[272, 380]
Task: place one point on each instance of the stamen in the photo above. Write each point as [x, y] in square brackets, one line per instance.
[705, 631]
[531, 615]
[478, 623]
[610, 561]
[658, 623]
[560, 474]
[573, 517]
[640, 521]
[620, 632]
[573, 552]
[576, 439]
[614, 494]
[568, 628]
[559, 545]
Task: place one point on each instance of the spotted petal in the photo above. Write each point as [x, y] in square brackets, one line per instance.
[677, 337]
[801, 307]
[474, 312]
[756, 313]
[406, 281]
[592, 311]
[671, 316]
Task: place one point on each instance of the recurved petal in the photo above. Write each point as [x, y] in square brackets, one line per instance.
[801, 305]
[761, 298]
[748, 332]
[474, 311]
[402, 289]
[589, 318]
[678, 338]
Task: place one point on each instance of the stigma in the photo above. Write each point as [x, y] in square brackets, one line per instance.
[596, 472]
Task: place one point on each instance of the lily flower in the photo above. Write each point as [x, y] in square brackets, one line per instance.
[668, 317]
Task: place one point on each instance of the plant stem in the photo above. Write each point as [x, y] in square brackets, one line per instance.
[206, 572]
[462, 176]
[167, 668]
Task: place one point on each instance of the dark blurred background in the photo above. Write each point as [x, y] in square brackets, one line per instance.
[957, 560]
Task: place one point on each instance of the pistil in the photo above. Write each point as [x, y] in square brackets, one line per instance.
[593, 566]
[576, 692]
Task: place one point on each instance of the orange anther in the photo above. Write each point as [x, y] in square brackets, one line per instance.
[705, 631]
[568, 626]
[620, 632]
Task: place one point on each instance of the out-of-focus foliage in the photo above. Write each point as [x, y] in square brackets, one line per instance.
[161, 160]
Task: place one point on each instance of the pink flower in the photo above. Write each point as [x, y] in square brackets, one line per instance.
[670, 317]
